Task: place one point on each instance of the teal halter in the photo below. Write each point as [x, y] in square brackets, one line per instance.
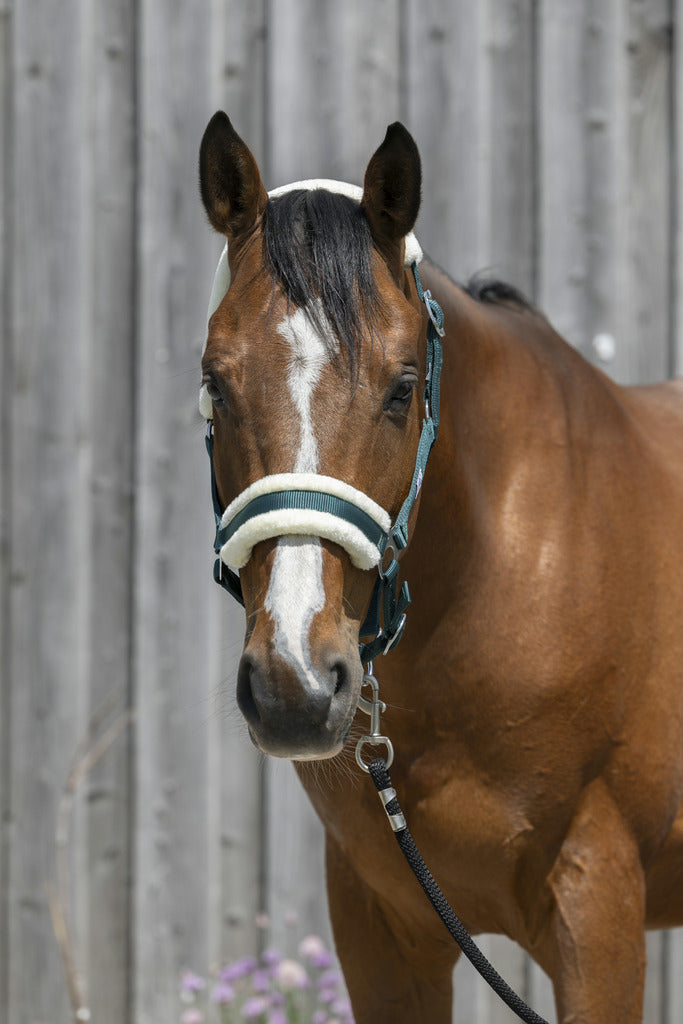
[385, 619]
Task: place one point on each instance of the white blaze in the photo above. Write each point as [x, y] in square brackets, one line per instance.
[295, 591]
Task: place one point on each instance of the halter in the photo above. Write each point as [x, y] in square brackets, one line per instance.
[310, 504]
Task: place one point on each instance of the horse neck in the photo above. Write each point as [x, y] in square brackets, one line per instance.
[508, 380]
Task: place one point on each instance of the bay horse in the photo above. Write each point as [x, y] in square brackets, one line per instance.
[536, 700]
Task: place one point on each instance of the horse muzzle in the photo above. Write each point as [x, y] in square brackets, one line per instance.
[294, 711]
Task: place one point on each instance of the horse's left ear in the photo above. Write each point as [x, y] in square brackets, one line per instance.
[391, 192]
[229, 179]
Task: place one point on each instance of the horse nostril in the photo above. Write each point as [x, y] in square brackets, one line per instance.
[340, 676]
[245, 693]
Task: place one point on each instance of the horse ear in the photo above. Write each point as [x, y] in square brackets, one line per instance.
[391, 190]
[229, 179]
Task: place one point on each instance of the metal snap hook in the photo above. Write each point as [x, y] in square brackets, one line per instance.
[374, 708]
[428, 303]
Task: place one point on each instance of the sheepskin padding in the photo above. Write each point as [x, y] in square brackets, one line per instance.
[303, 522]
[205, 403]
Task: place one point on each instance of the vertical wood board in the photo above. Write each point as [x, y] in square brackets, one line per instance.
[172, 687]
[110, 151]
[333, 86]
[50, 462]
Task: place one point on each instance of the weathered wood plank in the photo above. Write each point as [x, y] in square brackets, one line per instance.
[448, 99]
[676, 366]
[655, 979]
[470, 104]
[239, 34]
[6, 205]
[334, 86]
[581, 177]
[650, 241]
[296, 894]
[111, 329]
[674, 989]
[176, 259]
[511, 53]
[604, 98]
[50, 462]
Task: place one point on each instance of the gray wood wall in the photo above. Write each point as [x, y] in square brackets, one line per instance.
[551, 134]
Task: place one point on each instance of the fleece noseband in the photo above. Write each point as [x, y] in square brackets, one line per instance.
[310, 504]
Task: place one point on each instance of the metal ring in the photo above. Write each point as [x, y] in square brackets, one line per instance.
[374, 741]
[380, 567]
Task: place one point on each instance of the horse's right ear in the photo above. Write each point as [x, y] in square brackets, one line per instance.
[391, 192]
[229, 179]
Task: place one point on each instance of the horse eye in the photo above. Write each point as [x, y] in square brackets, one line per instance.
[400, 395]
[212, 390]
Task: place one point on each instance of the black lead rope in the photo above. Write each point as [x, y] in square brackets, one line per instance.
[387, 794]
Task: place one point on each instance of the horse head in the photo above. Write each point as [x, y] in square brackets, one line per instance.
[312, 378]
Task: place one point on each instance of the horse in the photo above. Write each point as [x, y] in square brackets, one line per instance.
[535, 701]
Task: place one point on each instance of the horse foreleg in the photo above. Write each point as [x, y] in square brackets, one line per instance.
[594, 946]
[393, 976]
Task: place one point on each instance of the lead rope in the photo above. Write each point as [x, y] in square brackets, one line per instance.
[378, 769]
[387, 794]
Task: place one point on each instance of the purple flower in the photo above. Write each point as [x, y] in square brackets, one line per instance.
[260, 981]
[255, 1007]
[321, 961]
[319, 1017]
[313, 949]
[327, 995]
[277, 1017]
[191, 982]
[271, 957]
[222, 992]
[341, 1007]
[330, 979]
[239, 969]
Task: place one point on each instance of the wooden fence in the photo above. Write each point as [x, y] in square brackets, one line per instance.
[551, 136]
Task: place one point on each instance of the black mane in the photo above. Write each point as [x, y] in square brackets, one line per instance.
[492, 291]
[317, 246]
